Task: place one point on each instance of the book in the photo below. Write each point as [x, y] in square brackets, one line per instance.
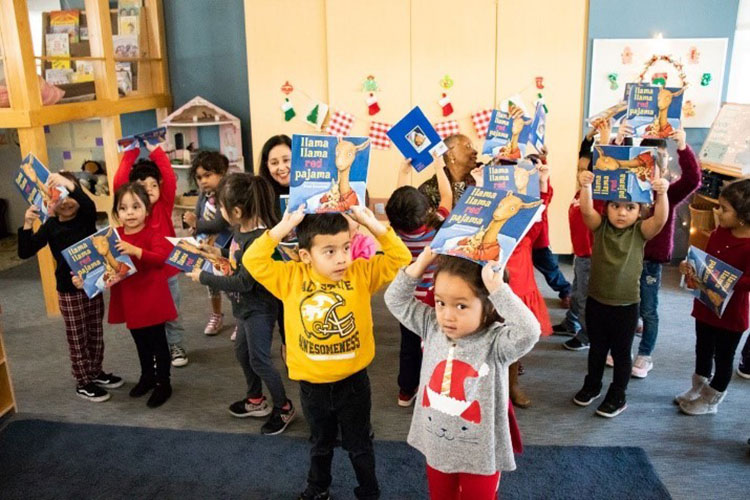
[329, 174]
[507, 134]
[58, 76]
[127, 25]
[125, 45]
[538, 128]
[654, 112]
[416, 139]
[289, 247]
[97, 261]
[623, 173]
[186, 255]
[210, 212]
[153, 137]
[124, 77]
[487, 225]
[521, 177]
[58, 44]
[129, 7]
[713, 282]
[65, 21]
[615, 113]
[31, 180]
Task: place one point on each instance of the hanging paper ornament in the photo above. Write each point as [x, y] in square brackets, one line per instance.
[659, 78]
[370, 85]
[287, 88]
[373, 107]
[668, 59]
[694, 55]
[540, 82]
[288, 110]
[688, 109]
[627, 55]
[317, 115]
[705, 79]
[446, 82]
[612, 77]
[540, 100]
[312, 117]
[445, 103]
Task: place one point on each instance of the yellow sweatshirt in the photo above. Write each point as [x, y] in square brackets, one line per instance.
[328, 324]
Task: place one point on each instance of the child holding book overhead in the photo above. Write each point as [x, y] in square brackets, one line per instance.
[477, 329]
[74, 219]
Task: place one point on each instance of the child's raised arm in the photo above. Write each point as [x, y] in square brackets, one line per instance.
[399, 297]
[123, 170]
[168, 188]
[591, 217]
[654, 224]
[444, 184]
[403, 173]
[29, 243]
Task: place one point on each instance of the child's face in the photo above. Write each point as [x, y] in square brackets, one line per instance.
[207, 180]
[66, 209]
[279, 163]
[152, 188]
[330, 255]
[458, 309]
[622, 214]
[727, 215]
[131, 212]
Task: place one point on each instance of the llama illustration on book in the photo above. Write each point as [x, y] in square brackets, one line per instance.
[114, 270]
[341, 197]
[661, 127]
[711, 280]
[511, 150]
[521, 177]
[654, 112]
[642, 165]
[188, 255]
[31, 180]
[623, 173]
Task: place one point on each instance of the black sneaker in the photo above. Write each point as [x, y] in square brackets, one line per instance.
[92, 392]
[108, 381]
[562, 329]
[244, 408]
[309, 495]
[575, 345]
[612, 405]
[142, 387]
[279, 421]
[162, 392]
[586, 396]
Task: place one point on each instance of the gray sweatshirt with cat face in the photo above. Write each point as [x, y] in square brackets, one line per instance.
[460, 420]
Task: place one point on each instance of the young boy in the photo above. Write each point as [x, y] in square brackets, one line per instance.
[160, 181]
[328, 322]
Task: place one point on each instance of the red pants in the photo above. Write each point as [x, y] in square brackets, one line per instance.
[462, 485]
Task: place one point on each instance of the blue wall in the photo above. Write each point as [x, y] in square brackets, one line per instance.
[673, 18]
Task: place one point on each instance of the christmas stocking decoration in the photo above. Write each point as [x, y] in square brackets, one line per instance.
[288, 110]
[372, 104]
[445, 103]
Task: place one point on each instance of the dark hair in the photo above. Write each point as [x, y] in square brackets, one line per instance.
[407, 209]
[737, 194]
[251, 194]
[314, 224]
[210, 161]
[71, 177]
[471, 273]
[263, 171]
[143, 169]
[653, 143]
[134, 189]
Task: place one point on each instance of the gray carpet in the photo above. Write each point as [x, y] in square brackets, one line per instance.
[695, 457]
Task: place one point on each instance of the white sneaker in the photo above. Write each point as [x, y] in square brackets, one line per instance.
[610, 361]
[642, 366]
[215, 324]
[179, 357]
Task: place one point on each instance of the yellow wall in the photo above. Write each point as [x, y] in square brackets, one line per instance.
[491, 49]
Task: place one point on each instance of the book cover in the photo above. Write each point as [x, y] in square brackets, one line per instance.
[329, 174]
[65, 21]
[58, 76]
[714, 280]
[623, 173]
[186, 255]
[97, 262]
[507, 134]
[615, 113]
[538, 128]
[125, 45]
[58, 44]
[31, 180]
[416, 138]
[654, 112]
[127, 25]
[521, 177]
[153, 137]
[124, 77]
[487, 225]
[289, 247]
[129, 7]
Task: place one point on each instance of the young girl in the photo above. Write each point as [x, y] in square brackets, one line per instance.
[460, 422]
[246, 201]
[74, 220]
[614, 287]
[716, 338]
[142, 301]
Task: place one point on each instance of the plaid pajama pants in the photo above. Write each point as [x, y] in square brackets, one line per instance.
[83, 327]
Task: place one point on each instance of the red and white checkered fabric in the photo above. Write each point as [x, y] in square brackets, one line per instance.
[340, 123]
[378, 137]
[446, 128]
[481, 120]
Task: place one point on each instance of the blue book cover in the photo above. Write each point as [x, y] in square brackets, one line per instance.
[97, 262]
[507, 135]
[714, 280]
[31, 180]
[487, 225]
[521, 178]
[289, 247]
[186, 255]
[538, 128]
[153, 137]
[329, 174]
[623, 173]
[653, 111]
[416, 138]
[210, 212]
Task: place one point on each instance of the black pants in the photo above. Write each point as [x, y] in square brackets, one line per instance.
[153, 349]
[715, 345]
[346, 405]
[610, 329]
[409, 360]
[280, 321]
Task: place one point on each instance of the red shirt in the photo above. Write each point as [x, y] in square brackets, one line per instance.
[143, 299]
[580, 235]
[735, 252]
[542, 238]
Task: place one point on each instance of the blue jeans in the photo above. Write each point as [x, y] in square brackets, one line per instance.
[575, 317]
[174, 328]
[650, 284]
[546, 263]
[253, 350]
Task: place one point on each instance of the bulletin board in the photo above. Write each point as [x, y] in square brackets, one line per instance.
[623, 60]
[727, 148]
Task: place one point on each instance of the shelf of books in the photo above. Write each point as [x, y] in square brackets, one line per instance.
[7, 399]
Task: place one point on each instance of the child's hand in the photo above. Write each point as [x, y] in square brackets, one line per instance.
[417, 268]
[592, 131]
[56, 179]
[405, 167]
[288, 222]
[687, 269]
[625, 130]
[492, 276]
[543, 172]
[210, 250]
[152, 147]
[478, 175]
[585, 178]
[77, 281]
[659, 184]
[680, 138]
[190, 219]
[31, 215]
[605, 129]
[364, 216]
[126, 248]
[194, 275]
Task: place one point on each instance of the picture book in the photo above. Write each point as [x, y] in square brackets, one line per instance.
[714, 280]
[521, 177]
[31, 180]
[487, 225]
[124, 77]
[153, 137]
[507, 134]
[538, 128]
[623, 173]
[127, 25]
[289, 247]
[58, 44]
[187, 255]
[58, 76]
[329, 174]
[97, 261]
[416, 139]
[65, 21]
[129, 7]
[654, 112]
[125, 45]
[614, 114]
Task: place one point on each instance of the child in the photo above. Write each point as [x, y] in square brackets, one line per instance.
[159, 180]
[74, 219]
[142, 301]
[207, 170]
[716, 339]
[328, 320]
[409, 213]
[614, 288]
[461, 424]
[246, 202]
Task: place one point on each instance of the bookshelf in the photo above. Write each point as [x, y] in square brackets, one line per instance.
[7, 398]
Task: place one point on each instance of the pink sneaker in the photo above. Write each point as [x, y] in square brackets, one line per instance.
[215, 324]
[610, 361]
[642, 366]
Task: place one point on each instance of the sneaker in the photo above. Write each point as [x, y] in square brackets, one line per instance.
[611, 406]
[108, 381]
[575, 345]
[642, 366]
[280, 420]
[743, 371]
[179, 357]
[610, 361]
[161, 394]
[563, 329]
[244, 408]
[215, 324]
[566, 302]
[93, 393]
[234, 334]
[309, 495]
[406, 399]
[142, 387]
[586, 396]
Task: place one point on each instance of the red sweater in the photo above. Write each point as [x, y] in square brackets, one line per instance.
[735, 252]
[541, 240]
[143, 299]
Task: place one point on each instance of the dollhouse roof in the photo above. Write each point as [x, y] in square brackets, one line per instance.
[199, 110]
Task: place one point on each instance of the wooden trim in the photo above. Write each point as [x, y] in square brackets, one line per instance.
[12, 118]
[60, 113]
[20, 68]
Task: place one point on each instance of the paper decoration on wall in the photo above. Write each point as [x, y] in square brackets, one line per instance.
[317, 115]
[627, 55]
[540, 100]
[370, 85]
[379, 135]
[688, 109]
[446, 128]
[340, 123]
[446, 105]
[540, 82]
[612, 77]
[373, 107]
[481, 121]
[288, 110]
[694, 55]
[446, 82]
[287, 88]
[668, 59]
[705, 79]
[659, 78]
